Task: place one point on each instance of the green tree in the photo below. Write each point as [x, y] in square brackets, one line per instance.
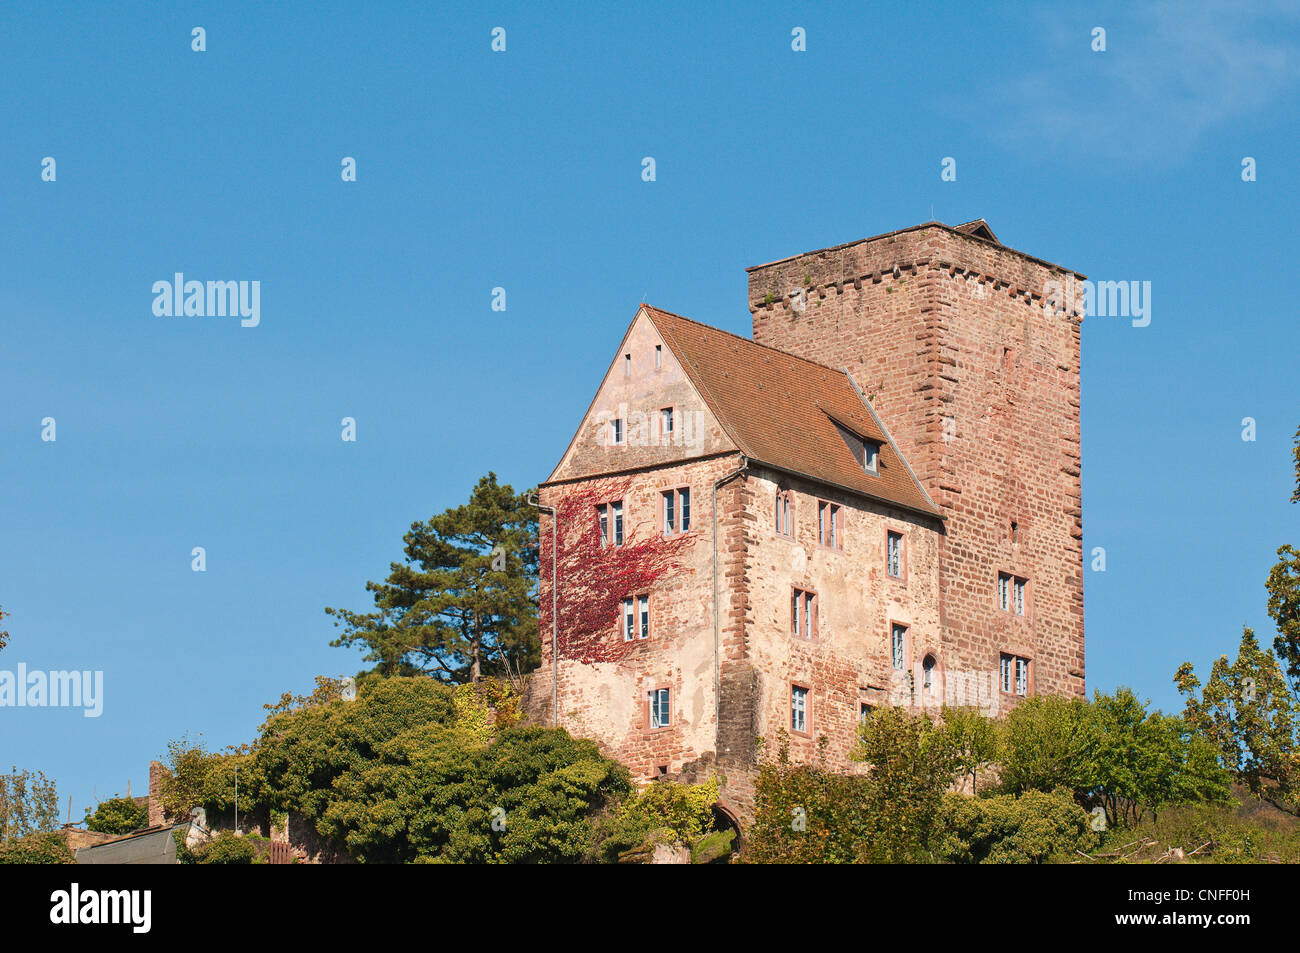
[973, 739]
[1032, 828]
[1148, 760]
[117, 815]
[1047, 744]
[912, 763]
[1283, 587]
[804, 813]
[1250, 717]
[462, 605]
[29, 804]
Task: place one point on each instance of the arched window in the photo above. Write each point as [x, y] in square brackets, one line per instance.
[927, 674]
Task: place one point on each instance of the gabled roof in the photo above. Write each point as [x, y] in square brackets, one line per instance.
[786, 412]
[980, 229]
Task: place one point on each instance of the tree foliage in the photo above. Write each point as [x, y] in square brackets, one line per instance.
[29, 804]
[117, 815]
[445, 611]
[1250, 717]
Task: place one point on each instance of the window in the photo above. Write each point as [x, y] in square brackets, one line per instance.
[894, 554]
[898, 645]
[676, 511]
[828, 525]
[927, 674]
[799, 709]
[803, 614]
[864, 712]
[660, 708]
[871, 456]
[1015, 532]
[784, 514]
[666, 423]
[659, 356]
[611, 523]
[1011, 593]
[616, 432]
[636, 617]
[627, 365]
[1014, 665]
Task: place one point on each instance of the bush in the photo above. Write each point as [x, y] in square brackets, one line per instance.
[118, 815]
[1033, 828]
[662, 812]
[230, 848]
[43, 848]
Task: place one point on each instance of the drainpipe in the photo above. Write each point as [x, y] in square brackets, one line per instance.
[555, 616]
[717, 691]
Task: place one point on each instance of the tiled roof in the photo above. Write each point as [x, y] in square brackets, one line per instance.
[782, 410]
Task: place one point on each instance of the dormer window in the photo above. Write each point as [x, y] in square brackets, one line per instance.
[865, 450]
[871, 456]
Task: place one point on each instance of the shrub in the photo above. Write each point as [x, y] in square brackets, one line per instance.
[43, 848]
[230, 848]
[1033, 828]
[664, 811]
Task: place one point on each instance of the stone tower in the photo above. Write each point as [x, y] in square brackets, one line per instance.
[945, 329]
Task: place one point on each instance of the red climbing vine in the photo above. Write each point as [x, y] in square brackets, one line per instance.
[594, 578]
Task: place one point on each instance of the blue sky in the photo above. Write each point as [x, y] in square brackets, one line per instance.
[522, 170]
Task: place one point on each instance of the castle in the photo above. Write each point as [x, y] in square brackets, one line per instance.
[876, 501]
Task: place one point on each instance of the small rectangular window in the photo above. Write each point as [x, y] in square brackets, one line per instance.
[643, 612]
[629, 621]
[670, 512]
[616, 432]
[684, 508]
[676, 509]
[799, 709]
[894, 555]
[828, 525]
[864, 712]
[659, 356]
[1011, 593]
[784, 522]
[1014, 672]
[666, 422]
[803, 614]
[627, 365]
[898, 645]
[611, 523]
[660, 708]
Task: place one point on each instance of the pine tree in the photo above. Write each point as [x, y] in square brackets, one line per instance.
[462, 606]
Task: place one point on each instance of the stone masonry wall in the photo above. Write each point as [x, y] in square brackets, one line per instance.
[979, 385]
